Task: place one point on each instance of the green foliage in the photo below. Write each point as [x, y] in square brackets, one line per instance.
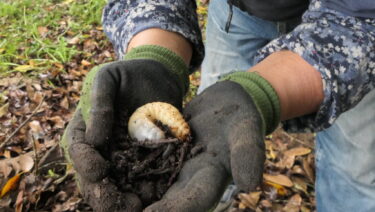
[37, 31]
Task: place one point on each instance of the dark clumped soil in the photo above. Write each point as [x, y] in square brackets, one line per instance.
[146, 169]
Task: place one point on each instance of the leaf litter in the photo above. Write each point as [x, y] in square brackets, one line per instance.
[35, 108]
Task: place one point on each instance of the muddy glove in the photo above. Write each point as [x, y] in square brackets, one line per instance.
[148, 74]
[229, 121]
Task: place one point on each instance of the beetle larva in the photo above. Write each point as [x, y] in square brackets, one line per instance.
[142, 122]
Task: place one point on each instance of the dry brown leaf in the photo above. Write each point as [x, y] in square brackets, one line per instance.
[298, 151]
[19, 201]
[6, 81]
[266, 203]
[7, 154]
[85, 63]
[74, 40]
[37, 97]
[270, 154]
[286, 162]
[298, 170]
[42, 31]
[289, 156]
[278, 179]
[241, 206]
[4, 110]
[107, 53]
[89, 45]
[35, 126]
[64, 103]
[57, 121]
[281, 146]
[250, 200]
[294, 204]
[5, 202]
[22, 163]
[58, 65]
[308, 169]
[37, 87]
[304, 209]
[300, 184]
[281, 190]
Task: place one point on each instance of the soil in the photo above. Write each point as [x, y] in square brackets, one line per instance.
[146, 169]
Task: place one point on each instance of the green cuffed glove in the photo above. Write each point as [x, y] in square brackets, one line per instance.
[110, 94]
[229, 121]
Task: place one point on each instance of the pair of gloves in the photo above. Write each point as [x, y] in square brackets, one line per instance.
[229, 120]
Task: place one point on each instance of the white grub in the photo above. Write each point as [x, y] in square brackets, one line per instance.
[142, 125]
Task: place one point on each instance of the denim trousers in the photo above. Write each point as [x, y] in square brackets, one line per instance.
[345, 152]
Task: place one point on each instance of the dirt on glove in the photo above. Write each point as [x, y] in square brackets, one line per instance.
[146, 170]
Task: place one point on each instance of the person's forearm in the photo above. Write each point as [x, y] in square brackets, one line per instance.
[298, 85]
[170, 40]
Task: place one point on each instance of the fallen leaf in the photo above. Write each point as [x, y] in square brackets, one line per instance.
[6, 81]
[5, 202]
[4, 110]
[270, 153]
[7, 154]
[298, 151]
[58, 122]
[294, 204]
[281, 190]
[11, 184]
[65, 103]
[298, 170]
[85, 63]
[250, 200]
[279, 179]
[289, 156]
[304, 209]
[300, 184]
[22, 163]
[37, 87]
[37, 97]
[58, 65]
[241, 206]
[73, 41]
[266, 203]
[35, 126]
[307, 166]
[19, 201]
[42, 31]
[24, 68]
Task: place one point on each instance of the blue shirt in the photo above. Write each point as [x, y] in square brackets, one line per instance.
[357, 8]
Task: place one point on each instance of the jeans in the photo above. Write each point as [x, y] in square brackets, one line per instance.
[345, 152]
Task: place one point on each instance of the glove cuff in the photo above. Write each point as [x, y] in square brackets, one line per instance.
[168, 58]
[263, 95]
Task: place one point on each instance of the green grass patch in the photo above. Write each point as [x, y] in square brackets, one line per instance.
[35, 33]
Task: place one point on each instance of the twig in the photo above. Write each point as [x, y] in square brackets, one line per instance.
[36, 156]
[156, 143]
[140, 167]
[298, 140]
[51, 153]
[184, 149]
[22, 124]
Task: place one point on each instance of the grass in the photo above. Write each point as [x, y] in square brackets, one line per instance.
[35, 33]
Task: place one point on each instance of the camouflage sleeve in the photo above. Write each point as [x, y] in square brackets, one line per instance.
[342, 49]
[122, 19]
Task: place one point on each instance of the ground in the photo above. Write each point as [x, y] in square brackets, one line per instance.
[46, 49]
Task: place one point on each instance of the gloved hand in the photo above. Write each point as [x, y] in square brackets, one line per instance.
[229, 124]
[148, 74]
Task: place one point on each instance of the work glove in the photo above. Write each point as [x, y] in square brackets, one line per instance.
[110, 94]
[229, 121]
